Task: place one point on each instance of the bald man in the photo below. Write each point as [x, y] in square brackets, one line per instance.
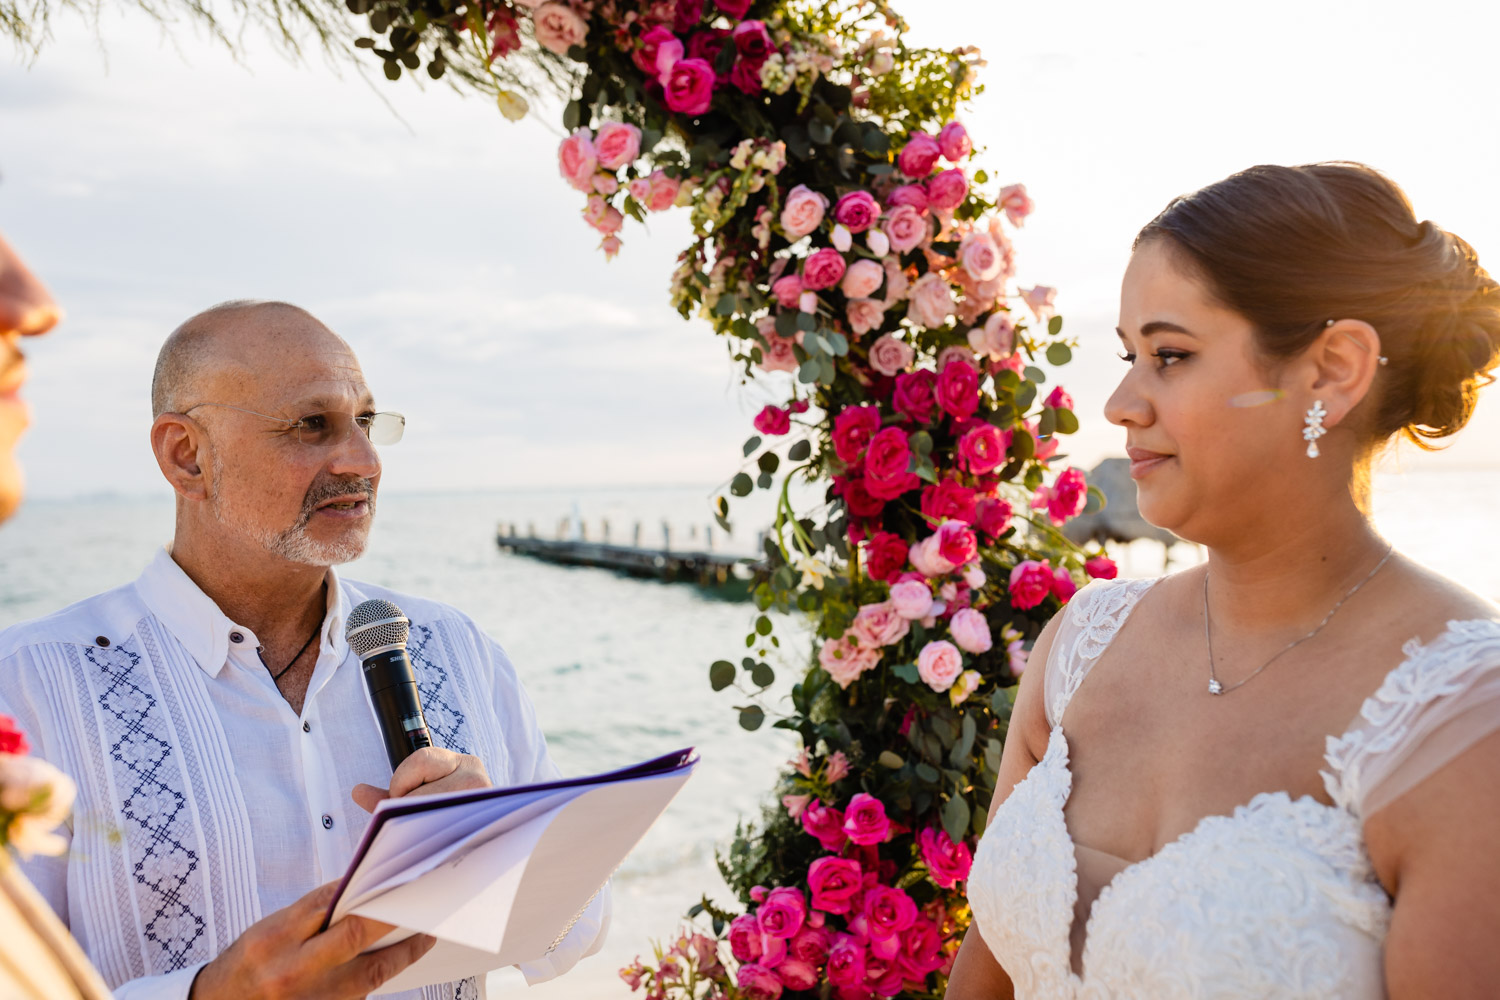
[212, 713]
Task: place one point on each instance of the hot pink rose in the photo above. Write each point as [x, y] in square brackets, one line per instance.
[1030, 583]
[658, 51]
[577, 161]
[1039, 300]
[687, 14]
[888, 454]
[753, 40]
[905, 227]
[980, 256]
[921, 950]
[878, 625]
[845, 660]
[1101, 568]
[919, 155]
[948, 189]
[981, 450]
[802, 212]
[1016, 202]
[956, 543]
[788, 290]
[939, 664]
[928, 560]
[914, 195]
[889, 356]
[744, 938]
[996, 339]
[948, 499]
[913, 395]
[811, 944]
[865, 314]
[863, 279]
[834, 884]
[13, 741]
[1059, 399]
[931, 301]
[971, 632]
[558, 28]
[888, 911]
[958, 390]
[736, 9]
[823, 269]
[797, 974]
[857, 211]
[783, 913]
[773, 421]
[826, 824]
[689, 86]
[1045, 447]
[757, 982]
[744, 76]
[1063, 587]
[1068, 496]
[617, 143]
[852, 430]
[846, 966]
[865, 820]
[857, 498]
[992, 516]
[885, 556]
[954, 142]
[912, 599]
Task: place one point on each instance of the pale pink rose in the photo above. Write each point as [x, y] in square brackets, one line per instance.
[896, 282]
[905, 227]
[862, 279]
[1017, 204]
[967, 684]
[640, 189]
[38, 798]
[1018, 653]
[577, 161]
[611, 246]
[558, 27]
[787, 289]
[617, 143]
[974, 575]
[802, 212]
[795, 804]
[939, 664]
[878, 242]
[952, 353]
[877, 625]
[996, 340]
[841, 238]
[606, 184]
[889, 355]
[664, 191]
[980, 256]
[602, 215]
[1040, 300]
[953, 140]
[931, 301]
[807, 302]
[947, 189]
[845, 660]
[912, 599]
[865, 315]
[777, 354]
[927, 558]
[971, 631]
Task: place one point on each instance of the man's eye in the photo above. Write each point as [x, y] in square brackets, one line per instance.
[313, 422]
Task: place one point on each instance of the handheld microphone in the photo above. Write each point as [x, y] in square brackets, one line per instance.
[377, 632]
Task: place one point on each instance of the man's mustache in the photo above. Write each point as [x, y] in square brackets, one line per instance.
[336, 489]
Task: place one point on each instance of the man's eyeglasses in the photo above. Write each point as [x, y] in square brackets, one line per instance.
[332, 427]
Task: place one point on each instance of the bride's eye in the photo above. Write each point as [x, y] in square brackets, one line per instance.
[1169, 357]
[1129, 359]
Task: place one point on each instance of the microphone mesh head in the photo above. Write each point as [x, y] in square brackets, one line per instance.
[374, 624]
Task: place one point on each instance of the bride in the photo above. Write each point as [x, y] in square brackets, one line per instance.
[1272, 775]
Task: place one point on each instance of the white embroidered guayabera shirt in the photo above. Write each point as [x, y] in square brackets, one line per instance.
[204, 802]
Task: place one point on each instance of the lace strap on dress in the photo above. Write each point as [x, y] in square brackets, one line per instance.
[1441, 699]
[1088, 623]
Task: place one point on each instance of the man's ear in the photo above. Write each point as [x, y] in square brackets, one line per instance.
[181, 447]
[1343, 363]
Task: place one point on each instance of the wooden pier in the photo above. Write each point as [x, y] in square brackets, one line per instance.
[728, 574]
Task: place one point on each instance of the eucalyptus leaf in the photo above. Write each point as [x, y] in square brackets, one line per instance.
[1034, 374]
[752, 716]
[799, 451]
[890, 760]
[721, 674]
[1054, 326]
[762, 676]
[1067, 422]
[764, 480]
[956, 814]
[769, 462]
[809, 370]
[1059, 353]
[927, 773]
[751, 444]
[741, 485]
[907, 672]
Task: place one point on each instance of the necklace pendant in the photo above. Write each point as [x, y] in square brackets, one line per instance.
[1214, 687]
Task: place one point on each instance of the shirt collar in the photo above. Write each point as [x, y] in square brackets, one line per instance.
[196, 621]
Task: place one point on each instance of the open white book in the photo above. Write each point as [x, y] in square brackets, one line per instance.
[498, 876]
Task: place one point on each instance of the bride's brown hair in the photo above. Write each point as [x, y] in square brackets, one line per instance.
[1290, 248]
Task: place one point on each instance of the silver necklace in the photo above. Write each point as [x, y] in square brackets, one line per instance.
[1214, 687]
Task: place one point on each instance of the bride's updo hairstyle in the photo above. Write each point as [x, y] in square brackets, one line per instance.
[1290, 248]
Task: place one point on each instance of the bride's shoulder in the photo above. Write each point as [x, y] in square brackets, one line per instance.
[1437, 607]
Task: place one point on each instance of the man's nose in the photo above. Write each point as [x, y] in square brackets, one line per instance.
[26, 307]
[356, 456]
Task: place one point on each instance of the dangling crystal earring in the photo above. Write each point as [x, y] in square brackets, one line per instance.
[1314, 428]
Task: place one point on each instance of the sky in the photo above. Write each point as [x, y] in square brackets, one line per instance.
[148, 173]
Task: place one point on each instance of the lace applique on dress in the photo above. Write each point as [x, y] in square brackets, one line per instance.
[1091, 620]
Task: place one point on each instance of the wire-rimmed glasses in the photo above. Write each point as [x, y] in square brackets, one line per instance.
[327, 428]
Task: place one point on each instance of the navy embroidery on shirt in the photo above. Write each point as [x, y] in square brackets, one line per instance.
[156, 830]
[467, 990]
[445, 719]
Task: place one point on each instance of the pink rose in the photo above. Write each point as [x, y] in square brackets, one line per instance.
[914, 195]
[557, 27]
[606, 184]
[948, 499]
[773, 421]
[1016, 202]
[1101, 568]
[787, 289]
[744, 938]
[896, 283]
[783, 913]
[887, 455]
[617, 143]
[958, 390]
[877, 625]
[981, 450]
[939, 664]
[736, 9]
[846, 966]
[796, 974]
[928, 560]
[919, 155]
[1063, 587]
[931, 302]
[1045, 448]
[753, 41]
[689, 86]
[857, 498]
[993, 516]
[12, 740]
[971, 632]
[827, 825]
[811, 944]
[1059, 399]
[912, 599]
[852, 430]
[996, 340]
[865, 314]
[952, 353]
[865, 820]
[745, 76]
[948, 189]
[845, 661]
[823, 269]
[1039, 300]
[777, 355]
[921, 950]
[1030, 583]
[1068, 496]
[889, 356]
[834, 884]
[956, 543]
[905, 227]
[663, 191]
[802, 212]
[863, 279]
[888, 911]
[602, 215]
[659, 50]
[980, 257]
[967, 684]
[913, 395]
[857, 211]
[885, 556]
[577, 161]
[687, 14]
[953, 140]
[757, 982]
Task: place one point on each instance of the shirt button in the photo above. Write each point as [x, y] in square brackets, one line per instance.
[236, 637]
[327, 822]
[307, 727]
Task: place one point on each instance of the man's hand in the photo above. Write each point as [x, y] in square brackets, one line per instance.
[284, 957]
[426, 772]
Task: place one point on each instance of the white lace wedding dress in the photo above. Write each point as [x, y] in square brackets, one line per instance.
[1278, 899]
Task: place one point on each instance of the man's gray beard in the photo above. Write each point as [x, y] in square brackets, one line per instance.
[293, 544]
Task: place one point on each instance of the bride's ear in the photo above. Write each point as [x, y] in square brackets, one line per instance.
[1341, 366]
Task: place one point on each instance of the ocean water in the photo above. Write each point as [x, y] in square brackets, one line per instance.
[618, 667]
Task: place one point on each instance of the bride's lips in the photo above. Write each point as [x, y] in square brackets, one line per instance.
[12, 376]
[1143, 461]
